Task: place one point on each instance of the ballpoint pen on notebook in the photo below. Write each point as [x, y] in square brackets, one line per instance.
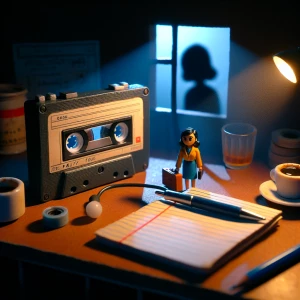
[210, 205]
[270, 268]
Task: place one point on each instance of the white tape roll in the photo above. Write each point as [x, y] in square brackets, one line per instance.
[55, 216]
[284, 151]
[12, 199]
[275, 159]
[286, 138]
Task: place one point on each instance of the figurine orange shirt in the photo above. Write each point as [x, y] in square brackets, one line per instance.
[189, 156]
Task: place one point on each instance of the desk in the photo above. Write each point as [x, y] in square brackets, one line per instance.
[70, 258]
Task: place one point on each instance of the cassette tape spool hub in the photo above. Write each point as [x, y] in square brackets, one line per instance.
[79, 141]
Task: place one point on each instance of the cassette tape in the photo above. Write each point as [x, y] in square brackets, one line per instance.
[79, 141]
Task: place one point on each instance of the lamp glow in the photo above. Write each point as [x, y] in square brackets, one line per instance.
[288, 63]
[285, 69]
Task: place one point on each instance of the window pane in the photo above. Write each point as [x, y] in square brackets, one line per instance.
[203, 69]
[163, 42]
[163, 87]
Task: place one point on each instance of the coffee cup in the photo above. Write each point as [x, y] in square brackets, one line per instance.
[286, 177]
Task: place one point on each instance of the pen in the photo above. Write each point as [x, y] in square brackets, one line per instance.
[210, 205]
[270, 268]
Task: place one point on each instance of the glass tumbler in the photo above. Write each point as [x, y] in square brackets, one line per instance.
[238, 144]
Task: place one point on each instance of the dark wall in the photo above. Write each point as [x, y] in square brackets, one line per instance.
[121, 27]
[254, 89]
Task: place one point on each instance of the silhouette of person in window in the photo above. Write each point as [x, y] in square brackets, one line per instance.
[196, 67]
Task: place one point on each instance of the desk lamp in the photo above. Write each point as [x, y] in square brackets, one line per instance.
[288, 63]
[285, 144]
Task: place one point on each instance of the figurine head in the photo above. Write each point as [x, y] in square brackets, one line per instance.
[189, 137]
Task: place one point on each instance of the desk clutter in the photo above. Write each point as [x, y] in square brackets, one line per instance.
[284, 147]
[188, 238]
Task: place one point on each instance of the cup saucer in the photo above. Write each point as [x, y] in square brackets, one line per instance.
[268, 190]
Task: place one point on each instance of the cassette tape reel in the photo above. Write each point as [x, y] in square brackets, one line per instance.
[98, 137]
[79, 141]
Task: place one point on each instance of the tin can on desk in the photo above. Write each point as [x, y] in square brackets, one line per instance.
[12, 121]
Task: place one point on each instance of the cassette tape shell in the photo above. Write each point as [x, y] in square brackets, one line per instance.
[51, 175]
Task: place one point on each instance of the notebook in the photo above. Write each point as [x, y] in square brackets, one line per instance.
[186, 237]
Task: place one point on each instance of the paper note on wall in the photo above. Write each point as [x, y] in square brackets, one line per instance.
[57, 67]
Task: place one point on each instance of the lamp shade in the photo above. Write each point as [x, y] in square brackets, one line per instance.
[288, 63]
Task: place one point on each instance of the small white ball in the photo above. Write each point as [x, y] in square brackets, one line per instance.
[93, 209]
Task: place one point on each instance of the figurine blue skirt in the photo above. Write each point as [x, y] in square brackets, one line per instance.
[189, 169]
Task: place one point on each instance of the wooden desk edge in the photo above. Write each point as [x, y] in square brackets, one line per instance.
[105, 273]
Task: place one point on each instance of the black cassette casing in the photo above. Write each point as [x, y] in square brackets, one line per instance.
[45, 185]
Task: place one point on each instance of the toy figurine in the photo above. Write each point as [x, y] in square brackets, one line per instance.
[190, 154]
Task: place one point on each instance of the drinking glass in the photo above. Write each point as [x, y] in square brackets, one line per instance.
[238, 144]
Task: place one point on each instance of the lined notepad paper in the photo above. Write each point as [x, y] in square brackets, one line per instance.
[190, 237]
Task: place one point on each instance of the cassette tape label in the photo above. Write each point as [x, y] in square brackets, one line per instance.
[95, 113]
[87, 135]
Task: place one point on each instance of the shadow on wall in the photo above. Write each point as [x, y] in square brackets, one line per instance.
[197, 67]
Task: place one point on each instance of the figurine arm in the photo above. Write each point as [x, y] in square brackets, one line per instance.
[199, 163]
[198, 159]
[179, 160]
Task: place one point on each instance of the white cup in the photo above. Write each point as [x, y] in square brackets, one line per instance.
[12, 199]
[286, 177]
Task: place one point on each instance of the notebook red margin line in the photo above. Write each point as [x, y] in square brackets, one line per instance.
[145, 224]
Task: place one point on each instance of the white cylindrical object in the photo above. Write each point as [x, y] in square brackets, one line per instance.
[286, 138]
[282, 151]
[12, 199]
[275, 159]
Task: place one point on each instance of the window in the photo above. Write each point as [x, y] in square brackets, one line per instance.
[192, 69]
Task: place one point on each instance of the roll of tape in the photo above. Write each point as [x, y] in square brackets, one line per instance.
[55, 216]
[12, 199]
[286, 138]
[284, 151]
[275, 159]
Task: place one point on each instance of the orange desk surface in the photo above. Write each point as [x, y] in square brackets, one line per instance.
[73, 246]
